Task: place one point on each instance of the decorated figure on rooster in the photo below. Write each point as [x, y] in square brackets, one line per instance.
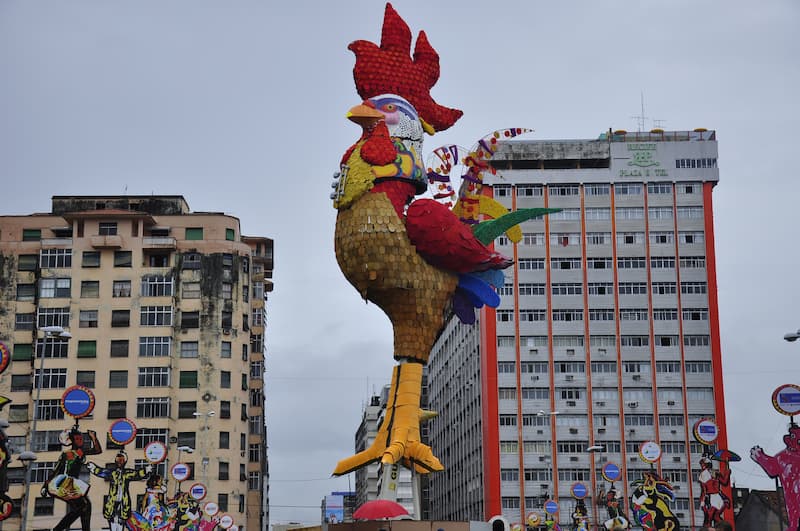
[414, 258]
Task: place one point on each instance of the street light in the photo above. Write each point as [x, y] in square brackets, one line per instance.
[792, 336]
[51, 332]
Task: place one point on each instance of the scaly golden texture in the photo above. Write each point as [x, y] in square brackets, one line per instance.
[377, 258]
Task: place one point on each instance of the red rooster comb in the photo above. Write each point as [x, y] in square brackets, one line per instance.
[389, 69]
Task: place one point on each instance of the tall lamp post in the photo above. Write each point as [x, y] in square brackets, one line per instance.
[204, 461]
[52, 332]
[595, 449]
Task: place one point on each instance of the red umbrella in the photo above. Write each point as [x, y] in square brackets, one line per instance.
[379, 510]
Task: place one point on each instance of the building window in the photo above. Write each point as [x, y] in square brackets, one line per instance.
[44, 507]
[695, 314]
[156, 259]
[191, 290]
[53, 317]
[31, 235]
[90, 289]
[188, 380]
[633, 288]
[623, 213]
[85, 378]
[120, 318]
[628, 189]
[186, 410]
[153, 377]
[87, 349]
[255, 425]
[153, 407]
[18, 413]
[695, 341]
[26, 292]
[227, 291]
[49, 410]
[51, 288]
[662, 237]
[121, 288]
[224, 440]
[531, 264]
[224, 471]
[90, 259]
[190, 319]
[222, 501]
[230, 235]
[119, 348]
[568, 315]
[157, 286]
[24, 321]
[225, 379]
[659, 213]
[22, 352]
[145, 436]
[55, 258]
[227, 320]
[107, 228]
[118, 379]
[598, 238]
[191, 261]
[155, 316]
[190, 349]
[20, 382]
[87, 319]
[225, 350]
[690, 212]
[154, 346]
[225, 409]
[659, 188]
[123, 259]
[662, 262]
[629, 262]
[691, 237]
[194, 233]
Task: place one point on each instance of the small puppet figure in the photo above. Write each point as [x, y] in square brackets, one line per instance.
[117, 508]
[580, 516]
[713, 500]
[786, 466]
[154, 514]
[63, 482]
[650, 503]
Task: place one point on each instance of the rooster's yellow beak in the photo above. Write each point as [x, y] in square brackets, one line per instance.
[364, 114]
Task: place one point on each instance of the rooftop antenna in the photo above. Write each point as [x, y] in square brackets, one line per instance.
[640, 119]
[658, 124]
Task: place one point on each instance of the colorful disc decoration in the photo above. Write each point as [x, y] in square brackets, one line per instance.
[786, 399]
[5, 357]
[226, 521]
[533, 519]
[77, 401]
[155, 452]
[211, 508]
[198, 491]
[516, 526]
[551, 507]
[122, 431]
[650, 452]
[579, 490]
[705, 431]
[611, 472]
[180, 471]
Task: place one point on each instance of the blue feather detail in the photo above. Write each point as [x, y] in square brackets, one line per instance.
[480, 291]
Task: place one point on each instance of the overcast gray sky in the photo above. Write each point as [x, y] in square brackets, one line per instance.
[239, 106]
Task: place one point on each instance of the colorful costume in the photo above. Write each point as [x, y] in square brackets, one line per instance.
[117, 508]
[786, 466]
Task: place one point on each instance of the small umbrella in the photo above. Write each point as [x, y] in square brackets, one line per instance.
[379, 510]
[726, 456]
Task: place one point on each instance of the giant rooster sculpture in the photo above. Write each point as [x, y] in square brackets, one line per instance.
[415, 259]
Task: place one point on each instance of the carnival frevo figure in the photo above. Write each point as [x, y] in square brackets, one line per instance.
[63, 482]
[786, 466]
[5, 458]
[117, 508]
[650, 503]
[713, 501]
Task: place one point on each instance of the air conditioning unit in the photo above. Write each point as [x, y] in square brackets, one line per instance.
[534, 378]
[571, 403]
[603, 459]
[634, 458]
[600, 403]
[226, 331]
[680, 515]
[670, 402]
[242, 453]
[573, 431]
[573, 458]
[540, 432]
[569, 377]
[673, 431]
[534, 351]
[676, 459]
[601, 430]
[676, 487]
[637, 377]
[570, 352]
[542, 458]
[632, 404]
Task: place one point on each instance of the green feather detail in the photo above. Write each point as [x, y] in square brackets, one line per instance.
[487, 231]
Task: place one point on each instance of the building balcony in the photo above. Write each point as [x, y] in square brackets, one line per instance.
[56, 242]
[159, 242]
[113, 241]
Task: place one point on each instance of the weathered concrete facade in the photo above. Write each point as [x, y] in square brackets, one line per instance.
[166, 311]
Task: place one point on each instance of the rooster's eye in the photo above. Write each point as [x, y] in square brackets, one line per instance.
[389, 107]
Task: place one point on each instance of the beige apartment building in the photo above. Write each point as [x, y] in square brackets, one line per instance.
[160, 312]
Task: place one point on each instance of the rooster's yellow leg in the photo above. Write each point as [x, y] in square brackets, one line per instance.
[398, 439]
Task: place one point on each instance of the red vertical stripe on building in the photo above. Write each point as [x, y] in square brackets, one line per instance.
[713, 324]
